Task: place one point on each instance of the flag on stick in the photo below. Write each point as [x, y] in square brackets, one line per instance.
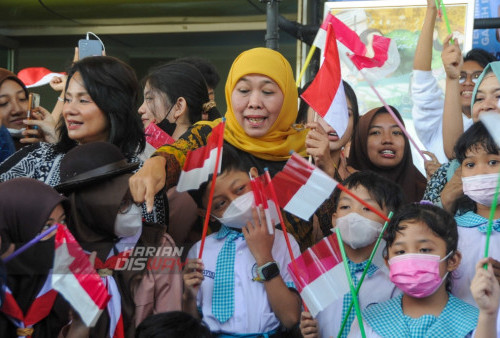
[263, 197]
[302, 187]
[203, 161]
[216, 141]
[76, 280]
[326, 93]
[37, 76]
[319, 274]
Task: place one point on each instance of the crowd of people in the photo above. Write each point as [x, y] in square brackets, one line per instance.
[87, 165]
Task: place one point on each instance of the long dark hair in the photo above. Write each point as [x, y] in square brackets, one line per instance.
[113, 86]
[180, 79]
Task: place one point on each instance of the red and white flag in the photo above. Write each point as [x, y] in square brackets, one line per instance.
[156, 136]
[378, 58]
[262, 196]
[301, 187]
[200, 163]
[37, 76]
[76, 280]
[326, 93]
[319, 274]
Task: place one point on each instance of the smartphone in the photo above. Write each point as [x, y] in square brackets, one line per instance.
[89, 48]
[33, 102]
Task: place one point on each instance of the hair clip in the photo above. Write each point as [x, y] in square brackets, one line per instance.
[425, 202]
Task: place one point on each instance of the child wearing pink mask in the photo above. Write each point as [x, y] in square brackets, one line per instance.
[421, 252]
[479, 158]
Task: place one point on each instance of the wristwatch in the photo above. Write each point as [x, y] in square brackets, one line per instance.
[267, 272]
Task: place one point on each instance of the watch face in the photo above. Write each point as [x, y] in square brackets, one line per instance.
[270, 271]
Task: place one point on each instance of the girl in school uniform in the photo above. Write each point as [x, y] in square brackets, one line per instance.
[479, 160]
[421, 253]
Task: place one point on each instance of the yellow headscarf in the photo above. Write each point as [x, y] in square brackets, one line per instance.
[281, 137]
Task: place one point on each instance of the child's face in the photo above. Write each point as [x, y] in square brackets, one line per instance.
[418, 238]
[478, 162]
[229, 186]
[347, 204]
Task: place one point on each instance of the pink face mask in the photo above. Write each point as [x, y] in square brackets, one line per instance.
[417, 275]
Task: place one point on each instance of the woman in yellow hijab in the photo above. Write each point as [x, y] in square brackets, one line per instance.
[262, 107]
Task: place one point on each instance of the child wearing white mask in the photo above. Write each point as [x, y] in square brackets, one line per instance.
[479, 158]
[241, 286]
[360, 228]
[421, 252]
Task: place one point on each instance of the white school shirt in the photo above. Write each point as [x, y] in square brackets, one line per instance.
[427, 112]
[471, 243]
[252, 312]
[375, 289]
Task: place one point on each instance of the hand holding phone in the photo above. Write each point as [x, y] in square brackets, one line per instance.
[33, 101]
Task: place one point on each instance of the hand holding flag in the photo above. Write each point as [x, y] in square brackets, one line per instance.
[76, 279]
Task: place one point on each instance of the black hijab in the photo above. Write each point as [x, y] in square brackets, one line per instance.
[25, 206]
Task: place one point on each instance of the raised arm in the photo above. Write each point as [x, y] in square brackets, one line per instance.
[453, 125]
[423, 52]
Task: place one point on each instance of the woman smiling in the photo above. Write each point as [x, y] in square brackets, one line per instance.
[380, 145]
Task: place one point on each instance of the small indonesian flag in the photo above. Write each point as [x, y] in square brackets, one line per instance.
[262, 196]
[379, 59]
[156, 136]
[200, 163]
[76, 280]
[326, 93]
[301, 187]
[37, 76]
[319, 274]
[492, 122]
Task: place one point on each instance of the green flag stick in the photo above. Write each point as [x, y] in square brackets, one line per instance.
[490, 220]
[374, 251]
[351, 284]
[447, 22]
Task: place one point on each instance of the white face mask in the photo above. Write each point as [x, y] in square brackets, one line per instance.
[239, 212]
[480, 188]
[358, 231]
[128, 223]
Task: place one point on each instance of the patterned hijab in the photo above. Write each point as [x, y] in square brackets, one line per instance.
[281, 137]
[405, 173]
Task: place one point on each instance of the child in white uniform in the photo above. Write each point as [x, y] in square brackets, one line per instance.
[359, 228]
[243, 290]
[421, 252]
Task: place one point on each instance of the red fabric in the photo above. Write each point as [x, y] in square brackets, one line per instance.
[315, 261]
[38, 310]
[196, 158]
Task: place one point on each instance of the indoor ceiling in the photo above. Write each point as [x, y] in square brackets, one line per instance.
[66, 17]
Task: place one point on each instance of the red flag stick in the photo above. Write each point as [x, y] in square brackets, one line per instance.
[350, 193]
[212, 189]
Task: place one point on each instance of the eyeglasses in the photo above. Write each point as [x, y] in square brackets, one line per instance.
[473, 76]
